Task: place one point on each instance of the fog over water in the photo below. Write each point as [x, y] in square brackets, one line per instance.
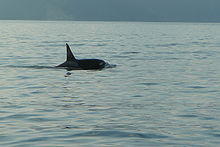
[112, 10]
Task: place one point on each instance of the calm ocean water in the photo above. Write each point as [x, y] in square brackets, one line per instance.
[163, 92]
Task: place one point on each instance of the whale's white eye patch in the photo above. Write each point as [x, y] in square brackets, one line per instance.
[102, 63]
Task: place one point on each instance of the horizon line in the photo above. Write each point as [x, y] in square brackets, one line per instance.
[109, 20]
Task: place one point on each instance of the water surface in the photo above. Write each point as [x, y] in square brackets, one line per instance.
[163, 92]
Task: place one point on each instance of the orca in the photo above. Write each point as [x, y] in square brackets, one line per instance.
[72, 63]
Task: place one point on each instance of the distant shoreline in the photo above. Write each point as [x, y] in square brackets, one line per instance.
[52, 20]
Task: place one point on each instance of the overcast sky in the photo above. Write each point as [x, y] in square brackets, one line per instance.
[112, 10]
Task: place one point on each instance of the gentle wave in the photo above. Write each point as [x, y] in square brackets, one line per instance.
[116, 134]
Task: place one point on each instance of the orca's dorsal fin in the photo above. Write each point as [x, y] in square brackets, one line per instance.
[70, 56]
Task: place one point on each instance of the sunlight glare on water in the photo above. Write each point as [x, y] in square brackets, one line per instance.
[164, 90]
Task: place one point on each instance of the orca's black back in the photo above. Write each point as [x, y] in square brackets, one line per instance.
[91, 64]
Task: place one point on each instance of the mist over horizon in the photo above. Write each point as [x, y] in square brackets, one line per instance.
[112, 10]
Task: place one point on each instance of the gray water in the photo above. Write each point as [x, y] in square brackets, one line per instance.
[164, 90]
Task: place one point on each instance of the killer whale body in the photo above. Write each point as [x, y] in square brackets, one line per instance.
[72, 63]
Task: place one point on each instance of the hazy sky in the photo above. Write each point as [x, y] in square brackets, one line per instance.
[112, 10]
